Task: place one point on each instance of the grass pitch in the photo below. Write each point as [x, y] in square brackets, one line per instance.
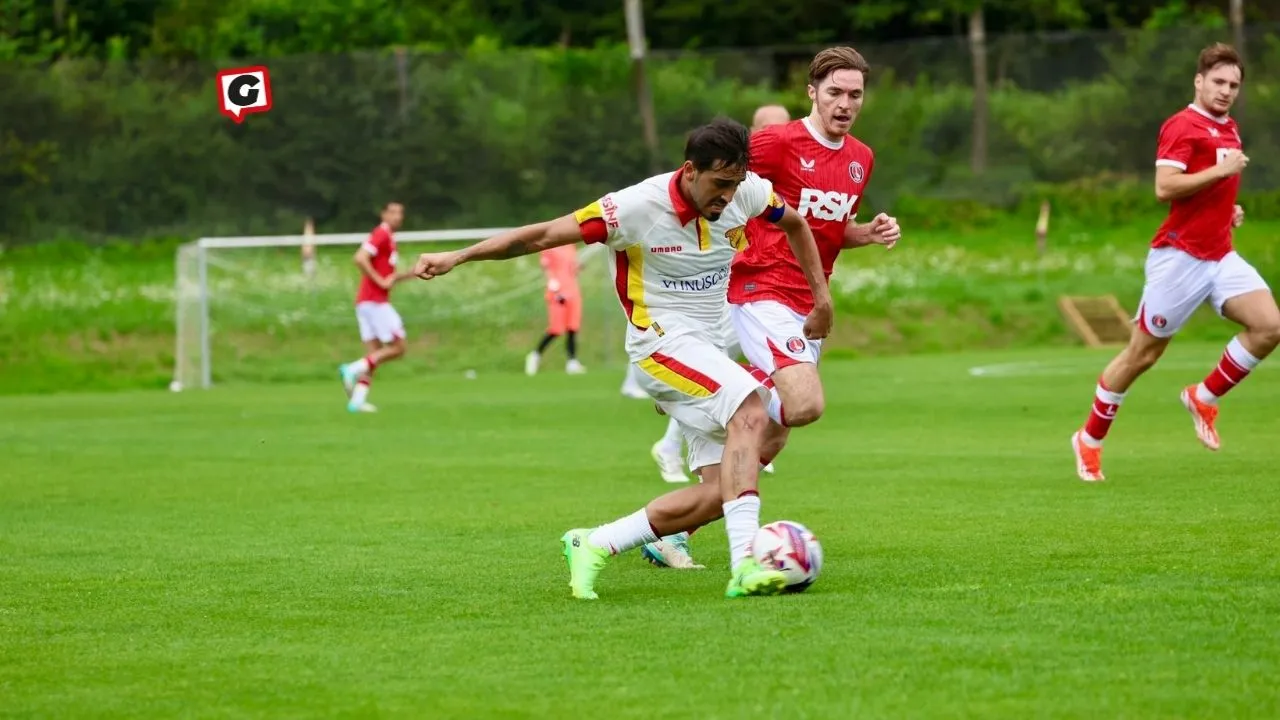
[254, 550]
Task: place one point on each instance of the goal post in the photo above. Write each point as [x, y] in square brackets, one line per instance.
[280, 308]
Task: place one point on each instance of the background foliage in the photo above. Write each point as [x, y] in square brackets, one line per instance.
[492, 135]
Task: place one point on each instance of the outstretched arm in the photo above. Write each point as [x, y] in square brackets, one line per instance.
[524, 240]
[504, 246]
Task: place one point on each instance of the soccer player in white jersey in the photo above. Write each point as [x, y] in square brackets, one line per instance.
[666, 452]
[817, 166]
[673, 551]
[674, 236]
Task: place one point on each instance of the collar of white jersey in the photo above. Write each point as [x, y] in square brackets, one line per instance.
[685, 211]
[822, 139]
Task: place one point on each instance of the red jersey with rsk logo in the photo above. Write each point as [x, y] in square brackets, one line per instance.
[381, 246]
[824, 182]
[1200, 224]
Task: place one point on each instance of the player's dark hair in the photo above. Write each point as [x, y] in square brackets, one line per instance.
[720, 143]
[1219, 54]
[833, 59]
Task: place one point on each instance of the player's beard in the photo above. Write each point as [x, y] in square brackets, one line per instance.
[713, 211]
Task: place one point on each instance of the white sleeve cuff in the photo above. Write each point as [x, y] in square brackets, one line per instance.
[369, 248]
[1171, 163]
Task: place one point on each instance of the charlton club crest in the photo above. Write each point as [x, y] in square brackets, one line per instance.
[856, 172]
[795, 344]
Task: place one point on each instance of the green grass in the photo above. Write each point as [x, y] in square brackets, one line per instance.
[254, 551]
[74, 318]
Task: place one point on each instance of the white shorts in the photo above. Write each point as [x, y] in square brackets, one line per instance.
[700, 387]
[379, 321]
[1177, 283]
[772, 335]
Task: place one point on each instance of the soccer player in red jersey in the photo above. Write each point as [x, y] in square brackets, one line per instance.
[381, 329]
[822, 171]
[1199, 158]
[767, 115]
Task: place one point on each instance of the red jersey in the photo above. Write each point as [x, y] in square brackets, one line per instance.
[381, 245]
[824, 182]
[1199, 224]
[561, 266]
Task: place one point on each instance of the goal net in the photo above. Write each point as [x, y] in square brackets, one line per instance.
[282, 309]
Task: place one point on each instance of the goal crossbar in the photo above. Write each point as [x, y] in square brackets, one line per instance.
[259, 241]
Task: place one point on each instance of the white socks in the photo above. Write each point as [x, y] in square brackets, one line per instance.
[361, 366]
[359, 393]
[741, 522]
[621, 535]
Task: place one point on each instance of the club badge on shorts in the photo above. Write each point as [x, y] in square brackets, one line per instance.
[795, 345]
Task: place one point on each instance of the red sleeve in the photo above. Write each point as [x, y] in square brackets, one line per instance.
[593, 231]
[377, 242]
[1174, 148]
[591, 224]
[766, 146]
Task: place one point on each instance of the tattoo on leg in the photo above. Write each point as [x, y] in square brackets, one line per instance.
[741, 471]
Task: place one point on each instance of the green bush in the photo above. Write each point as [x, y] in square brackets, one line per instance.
[492, 136]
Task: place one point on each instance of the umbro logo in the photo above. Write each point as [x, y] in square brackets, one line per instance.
[807, 165]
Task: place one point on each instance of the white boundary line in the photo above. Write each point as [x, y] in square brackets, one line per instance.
[1041, 368]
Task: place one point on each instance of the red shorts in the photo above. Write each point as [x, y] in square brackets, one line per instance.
[562, 317]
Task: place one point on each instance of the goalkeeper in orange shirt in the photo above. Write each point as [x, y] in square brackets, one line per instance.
[564, 308]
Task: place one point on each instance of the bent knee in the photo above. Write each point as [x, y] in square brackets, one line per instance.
[1267, 332]
[751, 417]
[1144, 350]
[1143, 360]
[803, 410]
